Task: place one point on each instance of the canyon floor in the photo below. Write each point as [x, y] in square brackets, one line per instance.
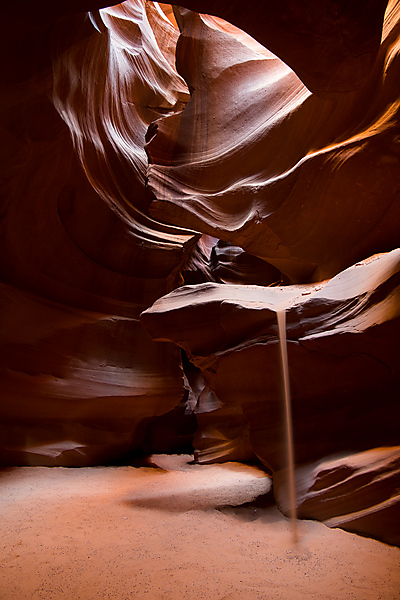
[174, 530]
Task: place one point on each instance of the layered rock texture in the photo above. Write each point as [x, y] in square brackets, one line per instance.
[166, 164]
[80, 377]
[344, 371]
[358, 492]
[306, 183]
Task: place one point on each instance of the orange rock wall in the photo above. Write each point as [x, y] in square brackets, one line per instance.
[140, 153]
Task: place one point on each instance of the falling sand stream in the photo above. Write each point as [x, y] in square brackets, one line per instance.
[281, 317]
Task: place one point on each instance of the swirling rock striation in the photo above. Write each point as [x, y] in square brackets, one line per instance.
[308, 184]
[80, 377]
[247, 165]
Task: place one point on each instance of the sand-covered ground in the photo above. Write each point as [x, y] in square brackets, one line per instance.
[161, 533]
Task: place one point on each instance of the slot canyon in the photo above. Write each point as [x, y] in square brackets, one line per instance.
[172, 178]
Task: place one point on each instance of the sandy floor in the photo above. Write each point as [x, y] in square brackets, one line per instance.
[161, 534]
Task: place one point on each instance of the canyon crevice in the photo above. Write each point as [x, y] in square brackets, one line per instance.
[168, 184]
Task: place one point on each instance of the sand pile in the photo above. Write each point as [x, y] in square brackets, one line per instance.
[173, 530]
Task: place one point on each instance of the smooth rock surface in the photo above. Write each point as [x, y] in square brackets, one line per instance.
[140, 153]
[308, 184]
[80, 377]
[343, 366]
[331, 45]
[357, 492]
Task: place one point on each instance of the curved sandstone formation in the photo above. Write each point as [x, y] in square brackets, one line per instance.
[341, 346]
[310, 185]
[343, 360]
[80, 377]
[358, 492]
[331, 45]
[140, 153]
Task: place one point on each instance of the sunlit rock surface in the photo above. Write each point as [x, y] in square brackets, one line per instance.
[308, 184]
[330, 44]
